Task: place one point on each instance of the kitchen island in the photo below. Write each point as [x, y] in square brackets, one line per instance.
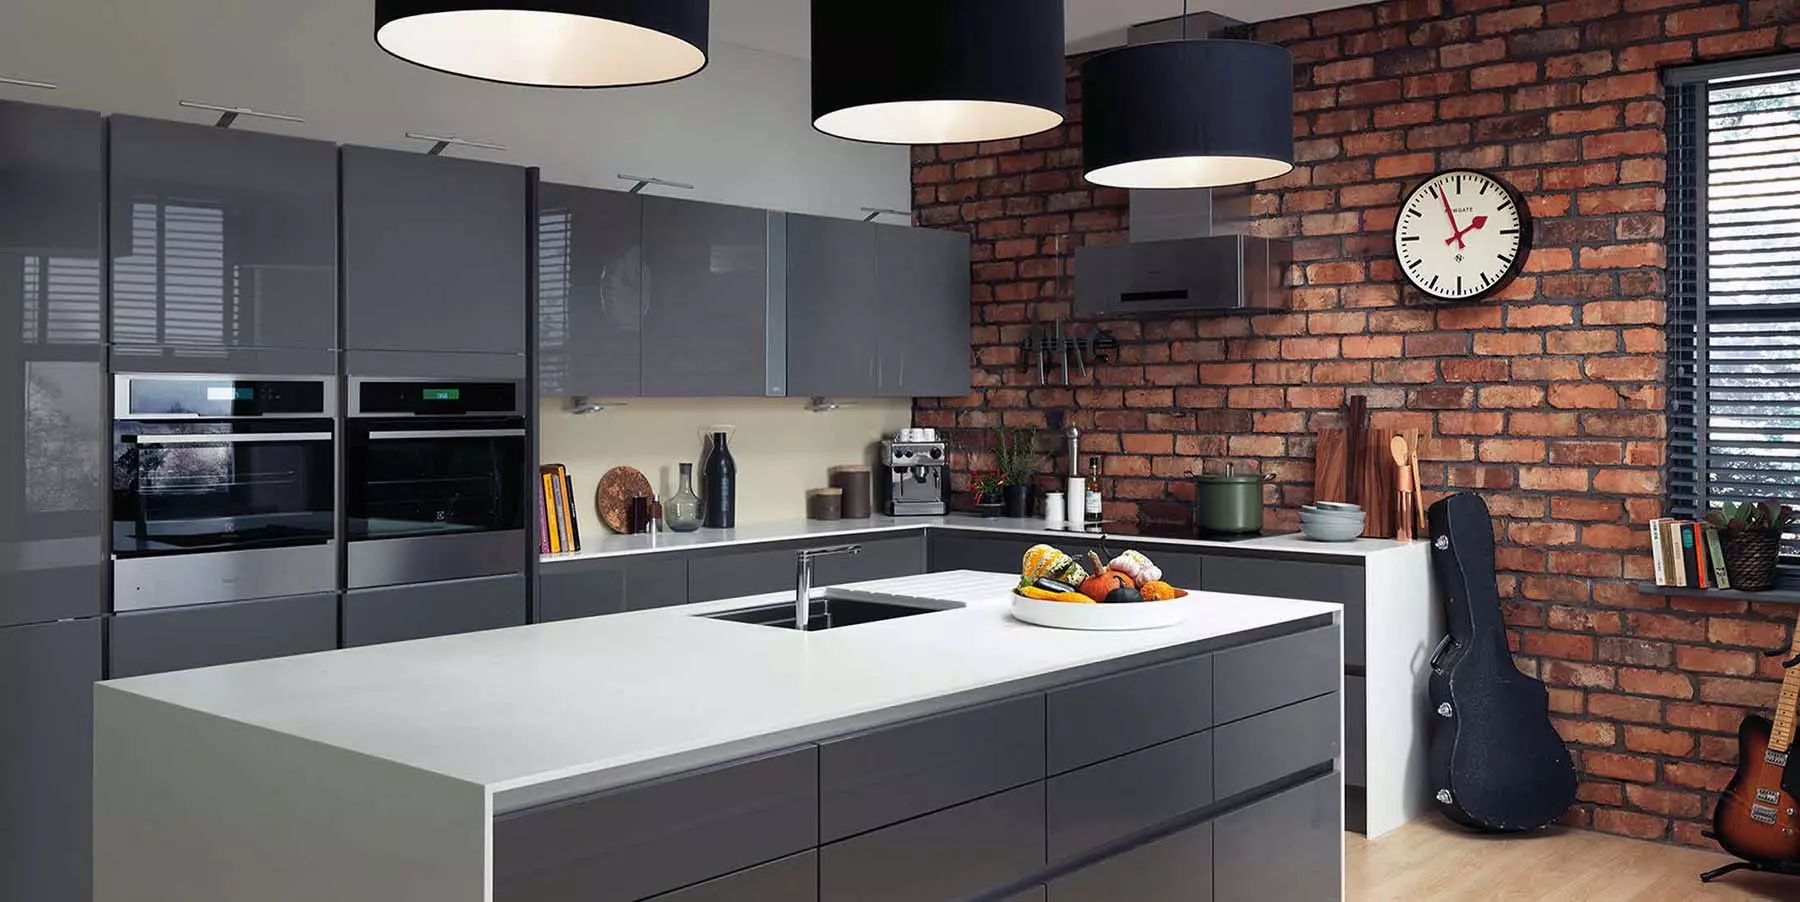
[956, 754]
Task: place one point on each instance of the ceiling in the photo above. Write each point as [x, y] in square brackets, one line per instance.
[782, 26]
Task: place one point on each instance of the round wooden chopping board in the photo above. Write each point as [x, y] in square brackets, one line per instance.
[612, 500]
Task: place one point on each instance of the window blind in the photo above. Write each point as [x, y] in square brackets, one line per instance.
[1733, 286]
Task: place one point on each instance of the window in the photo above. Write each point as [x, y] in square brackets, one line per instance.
[1734, 285]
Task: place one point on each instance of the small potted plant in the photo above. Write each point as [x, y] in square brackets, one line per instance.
[988, 486]
[1017, 457]
[1750, 537]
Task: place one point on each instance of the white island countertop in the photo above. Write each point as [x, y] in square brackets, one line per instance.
[606, 544]
[536, 713]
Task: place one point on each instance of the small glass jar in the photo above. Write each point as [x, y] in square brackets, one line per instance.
[682, 511]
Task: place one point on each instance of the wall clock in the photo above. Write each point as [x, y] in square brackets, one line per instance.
[1462, 235]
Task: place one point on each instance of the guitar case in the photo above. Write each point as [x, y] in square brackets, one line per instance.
[1496, 763]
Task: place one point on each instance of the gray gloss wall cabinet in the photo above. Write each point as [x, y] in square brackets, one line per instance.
[590, 291]
[47, 675]
[435, 254]
[876, 310]
[54, 472]
[224, 250]
[208, 635]
[707, 295]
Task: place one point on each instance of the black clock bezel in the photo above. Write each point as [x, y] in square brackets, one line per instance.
[1512, 270]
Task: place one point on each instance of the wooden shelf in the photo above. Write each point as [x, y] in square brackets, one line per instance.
[1787, 591]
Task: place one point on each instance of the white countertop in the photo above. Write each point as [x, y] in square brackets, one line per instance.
[545, 711]
[613, 545]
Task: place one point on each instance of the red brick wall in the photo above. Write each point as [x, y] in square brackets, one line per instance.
[1547, 399]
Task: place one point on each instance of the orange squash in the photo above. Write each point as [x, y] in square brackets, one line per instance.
[1104, 581]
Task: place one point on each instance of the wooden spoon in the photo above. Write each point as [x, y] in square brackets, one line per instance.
[1403, 491]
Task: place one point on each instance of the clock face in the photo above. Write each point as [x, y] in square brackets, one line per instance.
[1462, 235]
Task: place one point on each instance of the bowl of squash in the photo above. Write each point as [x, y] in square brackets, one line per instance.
[1126, 593]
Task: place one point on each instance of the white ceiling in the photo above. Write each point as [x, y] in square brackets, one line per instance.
[782, 26]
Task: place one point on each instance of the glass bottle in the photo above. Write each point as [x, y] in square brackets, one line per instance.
[682, 512]
[721, 485]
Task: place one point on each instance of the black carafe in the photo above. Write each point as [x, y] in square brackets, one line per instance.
[721, 485]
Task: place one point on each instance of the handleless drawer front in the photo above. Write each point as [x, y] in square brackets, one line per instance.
[1096, 805]
[213, 634]
[942, 857]
[1263, 676]
[424, 610]
[1251, 752]
[655, 581]
[635, 842]
[887, 775]
[791, 879]
[713, 576]
[1308, 580]
[1176, 868]
[1356, 731]
[1112, 715]
[1286, 848]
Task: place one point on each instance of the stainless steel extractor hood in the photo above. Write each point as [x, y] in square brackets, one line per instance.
[1187, 252]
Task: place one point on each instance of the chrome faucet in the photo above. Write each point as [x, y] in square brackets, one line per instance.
[803, 581]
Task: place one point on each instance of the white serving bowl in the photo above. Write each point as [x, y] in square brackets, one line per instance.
[1146, 615]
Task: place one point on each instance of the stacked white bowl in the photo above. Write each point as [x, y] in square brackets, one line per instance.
[1332, 521]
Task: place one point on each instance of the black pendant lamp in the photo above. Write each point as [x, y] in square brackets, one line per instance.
[1188, 114]
[549, 43]
[937, 71]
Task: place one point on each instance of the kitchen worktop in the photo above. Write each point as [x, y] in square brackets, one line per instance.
[547, 711]
[613, 545]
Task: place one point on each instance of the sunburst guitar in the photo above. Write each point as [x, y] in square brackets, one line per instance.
[1757, 818]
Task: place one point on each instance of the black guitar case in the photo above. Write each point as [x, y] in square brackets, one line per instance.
[1496, 763]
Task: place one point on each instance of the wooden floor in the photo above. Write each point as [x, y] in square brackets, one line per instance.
[1431, 859]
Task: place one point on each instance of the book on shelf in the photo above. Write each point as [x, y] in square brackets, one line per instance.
[1687, 554]
[1659, 550]
[556, 503]
[1721, 579]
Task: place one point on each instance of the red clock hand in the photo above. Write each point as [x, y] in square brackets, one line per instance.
[1455, 233]
[1478, 223]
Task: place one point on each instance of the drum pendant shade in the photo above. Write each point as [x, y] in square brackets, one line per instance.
[549, 43]
[1188, 114]
[937, 71]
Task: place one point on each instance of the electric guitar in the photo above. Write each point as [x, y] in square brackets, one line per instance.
[1757, 818]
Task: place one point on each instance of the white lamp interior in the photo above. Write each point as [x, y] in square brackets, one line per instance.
[1189, 172]
[540, 48]
[937, 121]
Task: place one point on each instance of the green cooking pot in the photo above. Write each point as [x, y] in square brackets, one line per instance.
[1228, 504]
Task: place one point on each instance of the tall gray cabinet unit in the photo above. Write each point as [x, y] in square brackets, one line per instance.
[708, 287]
[53, 579]
[436, 271]
[876, 310]
[224, 250]
[590, 322]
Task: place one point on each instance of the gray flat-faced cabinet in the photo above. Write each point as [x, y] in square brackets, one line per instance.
[923, 321]
[590, 291]
[707, 313]
[224, 249]
[435, 254]
[47, 675]
[834, 319]
[573, 589]
[1285, 848]
[208, 635]
[399, 613]
[53, 464]
[986, 552]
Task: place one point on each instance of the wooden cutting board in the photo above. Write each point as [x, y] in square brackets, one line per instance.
[612, 500]
[1330, 465]
[1377, 475]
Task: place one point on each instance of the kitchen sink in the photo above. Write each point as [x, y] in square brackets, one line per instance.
[836, 608]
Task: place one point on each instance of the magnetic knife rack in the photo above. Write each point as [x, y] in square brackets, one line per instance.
[1047, 348]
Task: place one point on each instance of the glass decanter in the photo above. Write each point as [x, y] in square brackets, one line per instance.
[681, 513]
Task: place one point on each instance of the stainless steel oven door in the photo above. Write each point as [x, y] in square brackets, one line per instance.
[207, 511]
[433, 500]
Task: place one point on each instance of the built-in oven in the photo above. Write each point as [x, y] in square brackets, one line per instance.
[434, 481]
[223, 489]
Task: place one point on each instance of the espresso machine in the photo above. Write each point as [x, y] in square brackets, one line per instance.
[918, 478]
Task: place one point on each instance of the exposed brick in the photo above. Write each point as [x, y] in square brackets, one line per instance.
[1615, 766]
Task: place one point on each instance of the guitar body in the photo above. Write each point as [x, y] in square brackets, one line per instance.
[1496, 762]
[1756, 818]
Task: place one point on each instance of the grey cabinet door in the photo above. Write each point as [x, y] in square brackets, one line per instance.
[834, 319]
[924, 282]
[656, 581]
[879, 559]
[209, 635]
[47, 675]
[1286, 848]
[1111, 800]
[1175, 868]
[590, 291]
[224, 250]
[1345, 584]
[712, 576]
[791, 879]
[434, 253]
[54, 470]
[398, 613]
[572, 590]
[954, 854]
[706, 300]
[1124, 712]
[988, 553]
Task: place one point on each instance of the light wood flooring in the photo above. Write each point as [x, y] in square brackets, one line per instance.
[1431, 859]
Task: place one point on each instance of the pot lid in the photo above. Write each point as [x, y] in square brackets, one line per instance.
[1227, 479]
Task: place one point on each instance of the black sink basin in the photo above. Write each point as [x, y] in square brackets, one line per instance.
[844, 611]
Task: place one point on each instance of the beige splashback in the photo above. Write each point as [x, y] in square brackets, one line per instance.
[781, 449]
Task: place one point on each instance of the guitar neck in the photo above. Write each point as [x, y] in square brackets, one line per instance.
[1782, 736]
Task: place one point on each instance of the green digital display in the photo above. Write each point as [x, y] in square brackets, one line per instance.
[443, 394]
